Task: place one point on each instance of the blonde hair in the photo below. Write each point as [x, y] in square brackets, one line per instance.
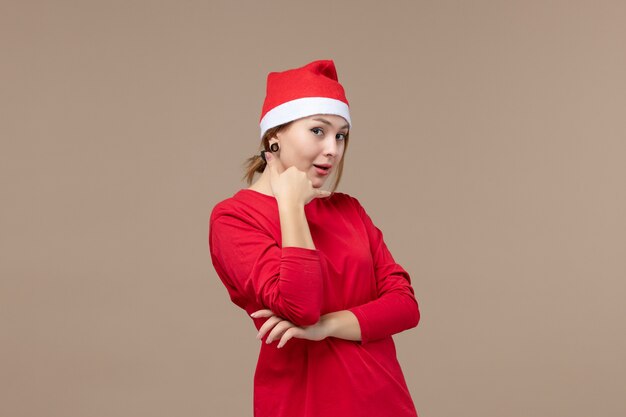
[257, 164]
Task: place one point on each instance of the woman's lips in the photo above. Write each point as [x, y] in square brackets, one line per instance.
[321, 171]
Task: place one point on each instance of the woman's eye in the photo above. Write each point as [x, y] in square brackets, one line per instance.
[316, 129]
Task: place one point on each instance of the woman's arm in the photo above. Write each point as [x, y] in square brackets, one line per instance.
[342, 324]
[395, 308]
[294, 226]
[253, 266]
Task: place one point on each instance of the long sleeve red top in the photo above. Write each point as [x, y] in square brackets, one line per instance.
[350, 269]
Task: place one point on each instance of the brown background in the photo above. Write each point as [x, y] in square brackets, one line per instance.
[489, 145]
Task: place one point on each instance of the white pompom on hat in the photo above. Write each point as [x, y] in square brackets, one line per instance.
[295, 93]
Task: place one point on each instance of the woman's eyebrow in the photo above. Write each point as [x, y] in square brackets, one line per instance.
[319, 119]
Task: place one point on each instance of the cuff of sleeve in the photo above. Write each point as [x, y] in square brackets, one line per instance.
[301, 252]
[363, 323]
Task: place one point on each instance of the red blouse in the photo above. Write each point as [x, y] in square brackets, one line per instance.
[350, 269]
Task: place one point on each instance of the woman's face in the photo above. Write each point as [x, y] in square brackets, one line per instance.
[314, 140]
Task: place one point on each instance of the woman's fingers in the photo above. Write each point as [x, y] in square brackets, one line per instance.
[321, 193]
[278, 325]
[289, 333]
[278, 330]
[273, 165]
[274, 172]
[269, 323]
[286, 330]
[295, 183]
[270, 162]
[262, 313]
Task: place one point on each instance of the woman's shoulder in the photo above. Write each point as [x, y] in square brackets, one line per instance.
[229, 205]
[345, 198]
[243, 203]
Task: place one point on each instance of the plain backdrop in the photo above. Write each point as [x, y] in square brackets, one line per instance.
[489, 146]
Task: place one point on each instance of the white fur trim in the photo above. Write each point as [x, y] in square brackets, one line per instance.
[303, 107]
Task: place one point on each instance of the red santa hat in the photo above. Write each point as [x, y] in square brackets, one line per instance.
[301, 92]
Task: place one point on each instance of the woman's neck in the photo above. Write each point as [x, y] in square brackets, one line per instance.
[262, 184]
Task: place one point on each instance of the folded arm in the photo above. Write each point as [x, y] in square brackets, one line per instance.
[251, 264]
[394, 310]
[380, 318]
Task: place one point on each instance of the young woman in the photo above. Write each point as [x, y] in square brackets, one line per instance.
[310, 266]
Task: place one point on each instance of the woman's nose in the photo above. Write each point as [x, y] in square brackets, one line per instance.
[331, 146]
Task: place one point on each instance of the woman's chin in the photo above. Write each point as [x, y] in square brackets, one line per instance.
[317, 182]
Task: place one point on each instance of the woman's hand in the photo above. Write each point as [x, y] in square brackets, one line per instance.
[291, 184]
[285, 330]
